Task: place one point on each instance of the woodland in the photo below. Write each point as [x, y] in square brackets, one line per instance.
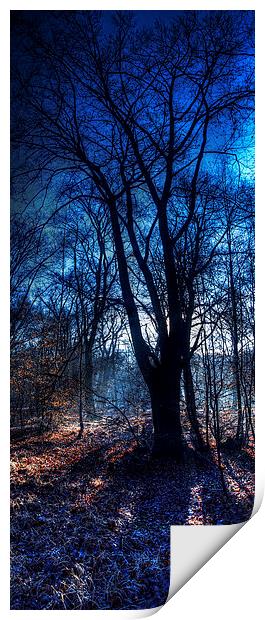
[132, 296]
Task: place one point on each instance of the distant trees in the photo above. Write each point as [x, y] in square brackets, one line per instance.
[55, 328]
[135, 127]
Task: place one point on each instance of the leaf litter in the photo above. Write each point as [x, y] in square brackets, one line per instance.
[90, 518]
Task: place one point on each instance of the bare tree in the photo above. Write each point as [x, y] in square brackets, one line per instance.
[131, 112]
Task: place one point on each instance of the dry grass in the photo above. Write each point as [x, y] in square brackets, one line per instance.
[91, 518]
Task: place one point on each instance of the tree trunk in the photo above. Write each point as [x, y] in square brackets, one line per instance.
[163, 380]
[191, 406]
[81, 420]
[88, 379]
[236, 364]
[165, 398]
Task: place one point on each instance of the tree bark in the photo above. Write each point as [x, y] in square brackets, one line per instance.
[88, 378]
[191, 406]
[164, 390]
[235, 341]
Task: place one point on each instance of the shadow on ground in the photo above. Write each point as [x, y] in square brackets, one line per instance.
[91, 520]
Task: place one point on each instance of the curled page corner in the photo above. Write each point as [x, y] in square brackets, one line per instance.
[191, 546]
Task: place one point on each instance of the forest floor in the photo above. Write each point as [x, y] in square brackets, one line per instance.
[90, 518]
